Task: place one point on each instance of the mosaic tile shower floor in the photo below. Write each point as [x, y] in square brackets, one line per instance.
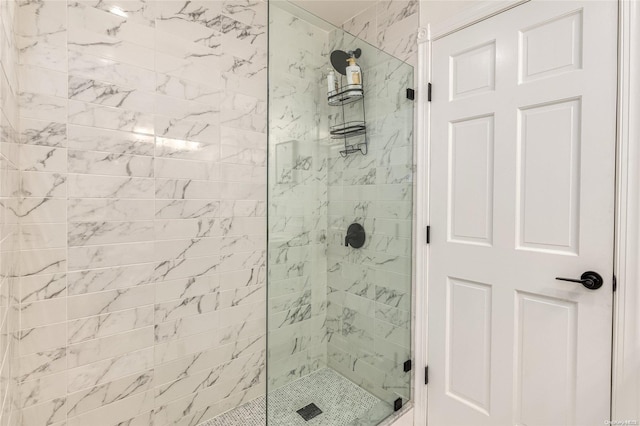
[342, 402]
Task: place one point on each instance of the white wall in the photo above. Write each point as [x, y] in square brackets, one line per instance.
[438, 11]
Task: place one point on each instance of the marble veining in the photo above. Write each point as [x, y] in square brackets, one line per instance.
[142, 208]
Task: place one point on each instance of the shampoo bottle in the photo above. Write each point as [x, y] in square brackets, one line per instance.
[354, 73]
[332, 82]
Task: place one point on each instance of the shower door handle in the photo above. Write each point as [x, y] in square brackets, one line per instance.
[591, 280]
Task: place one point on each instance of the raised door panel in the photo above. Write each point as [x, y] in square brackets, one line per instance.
[546, 350]
[468, 341]
[549, 177]
[471, 181]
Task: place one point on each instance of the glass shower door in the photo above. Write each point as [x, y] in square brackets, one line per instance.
[339, 317]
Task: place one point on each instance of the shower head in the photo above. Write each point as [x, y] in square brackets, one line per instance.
[339, 59]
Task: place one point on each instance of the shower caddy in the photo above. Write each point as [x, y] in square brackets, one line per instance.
[347, 94]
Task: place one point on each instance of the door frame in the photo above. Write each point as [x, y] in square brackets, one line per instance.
[625, 389]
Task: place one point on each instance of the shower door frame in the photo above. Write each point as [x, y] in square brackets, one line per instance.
[626, 310]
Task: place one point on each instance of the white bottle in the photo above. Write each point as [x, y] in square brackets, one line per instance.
[354, 74]
[332, 82]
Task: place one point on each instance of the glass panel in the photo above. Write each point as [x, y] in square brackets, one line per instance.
[338, 317]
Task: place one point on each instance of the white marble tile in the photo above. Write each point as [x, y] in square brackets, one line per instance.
[109, 324]
[50, 412]
[108, 94]
[42, 339]
[96, 186]
[186, 169]
[109, 118]
[87, 41]
[42, 287]
[43, 107]
[107, 393]
[112, 71]
[82, 15]
[109, 255]
[42, 313]
[40, 364]
[99, 280]
[100, 163]
[45, 133]
[132, 350]
[139, 11]
[103, 140]
[92, 209]
[44, 389]
[45, 261]
[188, 90]
[42, 210]
[187, 287]
[138, 406]
[43, 158]
[186, 189]
[187, 209]
[97, 233]
[43, 81]
[38, 184]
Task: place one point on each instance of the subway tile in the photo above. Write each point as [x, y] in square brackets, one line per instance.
[42, 287]
[108, 94]
[44, 133]
[111, 164]
[119, 389]
[109, 324]
[42, 339]
[83, 138]
[42, 313]
[186, 189]
[98, 186]
[43, 158]
[108, 70]
[101, 360]
[137, 406]
[40, 364]
[105, 23]
[99, 303]
[111, 278]
[98, 233]
[112, 209]
[43, 184]
[111, 118]
[43, 389]
[87, 41]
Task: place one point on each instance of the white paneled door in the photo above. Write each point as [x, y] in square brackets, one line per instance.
[522, 191]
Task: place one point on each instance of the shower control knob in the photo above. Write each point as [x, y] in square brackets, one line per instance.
[355, 236]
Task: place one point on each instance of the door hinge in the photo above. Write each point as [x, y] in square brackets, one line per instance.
[397, 404]
[429, 92]
[411, 94]
[615, 283]
[428, 234]
[407, 365]
[426, 375]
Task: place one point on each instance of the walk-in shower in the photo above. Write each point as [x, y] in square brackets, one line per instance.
[340, 172]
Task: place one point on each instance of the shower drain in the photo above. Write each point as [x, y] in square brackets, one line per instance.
[310, 411]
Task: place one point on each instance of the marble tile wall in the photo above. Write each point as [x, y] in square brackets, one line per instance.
[9, 198]
[298, 149]
[369, 289]
[390, 25]
[143, 210]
